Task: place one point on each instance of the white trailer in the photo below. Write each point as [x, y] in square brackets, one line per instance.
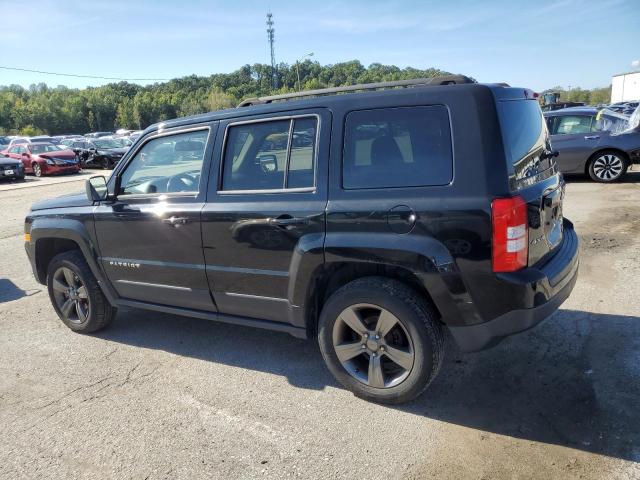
[625, 87]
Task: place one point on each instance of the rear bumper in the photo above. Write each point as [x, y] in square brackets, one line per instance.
[548, 286]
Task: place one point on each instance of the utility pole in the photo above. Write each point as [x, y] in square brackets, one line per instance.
[297, 66]
[271, 33]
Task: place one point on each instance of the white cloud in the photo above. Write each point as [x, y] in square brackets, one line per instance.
[635, 63]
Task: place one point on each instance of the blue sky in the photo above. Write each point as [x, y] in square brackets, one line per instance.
[535, 44]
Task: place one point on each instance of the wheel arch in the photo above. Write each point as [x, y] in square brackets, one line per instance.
[50, 237]
[422, 263]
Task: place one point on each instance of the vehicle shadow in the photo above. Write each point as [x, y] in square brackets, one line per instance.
[9, 291]
[630, 177]
[573, 381]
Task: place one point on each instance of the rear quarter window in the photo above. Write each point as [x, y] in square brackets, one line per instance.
[524, 128]
[397, 147]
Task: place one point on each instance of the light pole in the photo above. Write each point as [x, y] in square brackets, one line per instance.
[310, 54]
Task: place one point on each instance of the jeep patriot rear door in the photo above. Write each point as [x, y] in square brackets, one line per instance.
[264, 219]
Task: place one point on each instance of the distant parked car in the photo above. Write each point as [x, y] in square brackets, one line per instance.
[98, 134]
[11, 168]
[18, 141]
[592, 144]
[42, 138]
[135, 135]
[98, 152]
[44, 158]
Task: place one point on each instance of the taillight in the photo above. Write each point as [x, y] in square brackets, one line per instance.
[510, 234]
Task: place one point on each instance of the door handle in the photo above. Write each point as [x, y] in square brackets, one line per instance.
[175, 221]
[285, 220]
[591, 137]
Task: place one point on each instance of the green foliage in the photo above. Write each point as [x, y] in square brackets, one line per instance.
[60, 110]
[590, 97]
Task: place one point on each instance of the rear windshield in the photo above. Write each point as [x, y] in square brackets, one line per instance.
[526, 138]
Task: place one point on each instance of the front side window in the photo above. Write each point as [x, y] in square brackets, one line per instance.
[270, 155]
[397, 147]
[168, 164]
[572, 124]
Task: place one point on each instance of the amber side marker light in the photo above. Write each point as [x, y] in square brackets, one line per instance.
[27, 237]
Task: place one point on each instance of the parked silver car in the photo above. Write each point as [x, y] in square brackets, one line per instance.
[594, 142]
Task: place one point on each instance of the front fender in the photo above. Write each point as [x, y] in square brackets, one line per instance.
[74, 230]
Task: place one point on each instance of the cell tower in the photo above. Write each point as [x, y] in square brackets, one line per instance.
[272, 38]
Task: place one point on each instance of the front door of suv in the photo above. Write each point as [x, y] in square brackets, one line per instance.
[265, 213]
[150, 238]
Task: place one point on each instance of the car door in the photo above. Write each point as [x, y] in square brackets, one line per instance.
[150, 237]
[574, 137]
[265, 211]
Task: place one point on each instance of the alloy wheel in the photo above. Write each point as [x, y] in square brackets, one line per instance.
[70, 295]
[373, 345]
[608, 167]
[37, 170]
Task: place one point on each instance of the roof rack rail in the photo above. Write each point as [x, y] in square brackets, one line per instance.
[443, 80]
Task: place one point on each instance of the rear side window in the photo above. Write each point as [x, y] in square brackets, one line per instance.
[573, 124]
[397, 147]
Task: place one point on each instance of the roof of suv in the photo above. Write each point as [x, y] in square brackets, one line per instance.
[302, 101]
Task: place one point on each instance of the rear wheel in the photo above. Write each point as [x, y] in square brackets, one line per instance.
[76, 295]
[607, 166]
[37, 169]
[381, 340]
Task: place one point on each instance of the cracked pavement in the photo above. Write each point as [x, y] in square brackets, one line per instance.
[157, 396]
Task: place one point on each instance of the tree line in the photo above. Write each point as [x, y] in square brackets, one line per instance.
[596, 96]
[41, 109]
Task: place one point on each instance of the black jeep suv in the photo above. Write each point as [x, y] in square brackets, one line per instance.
[376, 217]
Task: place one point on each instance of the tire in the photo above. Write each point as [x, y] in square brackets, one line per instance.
[415, 332]
[607, 166]
[95, 312]
[104, 163]
[37, 169]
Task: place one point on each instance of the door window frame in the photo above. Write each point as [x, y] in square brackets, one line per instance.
[114, 181]
[292, 119]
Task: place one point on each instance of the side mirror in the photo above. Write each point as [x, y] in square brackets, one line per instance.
[96, 188]
[269, 163]
[25, 154]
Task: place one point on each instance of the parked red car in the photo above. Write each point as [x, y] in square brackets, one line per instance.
[44, 158]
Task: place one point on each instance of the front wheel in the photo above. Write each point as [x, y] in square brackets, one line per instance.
[37, 169]
[608, 166]
[76, 295]
[381, 340]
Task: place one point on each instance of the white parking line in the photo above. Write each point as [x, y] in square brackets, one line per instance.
[54, 180]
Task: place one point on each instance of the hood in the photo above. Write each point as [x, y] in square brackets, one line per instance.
[66, 154]
[9, 161]
[73, 200]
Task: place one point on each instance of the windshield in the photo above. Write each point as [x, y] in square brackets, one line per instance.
[37, 149]
[106, 144]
